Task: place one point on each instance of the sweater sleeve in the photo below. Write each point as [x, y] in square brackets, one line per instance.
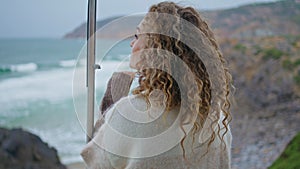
[96, 155]
[118, 87]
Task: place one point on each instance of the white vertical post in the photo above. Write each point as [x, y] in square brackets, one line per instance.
[91, 50]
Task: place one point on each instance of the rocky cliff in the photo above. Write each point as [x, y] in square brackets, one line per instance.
[266, 111]
[22, 150]
[261, 19]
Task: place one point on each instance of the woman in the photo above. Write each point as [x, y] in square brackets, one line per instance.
[178, 116]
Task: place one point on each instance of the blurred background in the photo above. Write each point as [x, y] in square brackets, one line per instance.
[42, 47]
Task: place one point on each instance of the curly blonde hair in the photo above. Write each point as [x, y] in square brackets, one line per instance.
[161, 68]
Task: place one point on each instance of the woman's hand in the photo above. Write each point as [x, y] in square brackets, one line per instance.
[118, 86]
[131, 74]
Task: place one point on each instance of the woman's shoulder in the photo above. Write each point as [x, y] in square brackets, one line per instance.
[134, 116]
[132, 102]
[127, 104]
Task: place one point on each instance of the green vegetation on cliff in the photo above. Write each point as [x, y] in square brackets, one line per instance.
[290, 158]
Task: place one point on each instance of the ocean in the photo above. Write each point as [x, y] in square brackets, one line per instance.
[42, 87]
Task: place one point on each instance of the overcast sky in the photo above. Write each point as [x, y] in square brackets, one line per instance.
[54, 18]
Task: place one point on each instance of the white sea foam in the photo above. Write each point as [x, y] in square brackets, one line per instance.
[52, 85]
[27, 67]
[67, 63]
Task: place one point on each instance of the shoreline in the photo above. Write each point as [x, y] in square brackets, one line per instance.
[76, 165]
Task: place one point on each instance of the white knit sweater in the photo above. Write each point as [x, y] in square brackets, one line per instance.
[123, 141]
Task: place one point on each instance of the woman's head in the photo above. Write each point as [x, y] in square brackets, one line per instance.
[168, 52]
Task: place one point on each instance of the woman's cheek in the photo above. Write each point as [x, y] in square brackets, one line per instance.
[134, 59]
[136, 47]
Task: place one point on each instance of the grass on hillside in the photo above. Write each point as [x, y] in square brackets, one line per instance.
[290, 158]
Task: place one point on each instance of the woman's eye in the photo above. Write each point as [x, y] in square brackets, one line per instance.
[135, 35]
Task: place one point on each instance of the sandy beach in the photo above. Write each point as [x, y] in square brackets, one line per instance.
[77, 165]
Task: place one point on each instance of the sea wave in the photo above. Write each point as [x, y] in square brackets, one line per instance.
[42, 102]
[67, 63]
[27, 67]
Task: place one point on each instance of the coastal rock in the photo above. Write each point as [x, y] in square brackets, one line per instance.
[270, 85]
[20, 149]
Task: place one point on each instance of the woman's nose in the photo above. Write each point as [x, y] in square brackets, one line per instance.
[132, 42]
